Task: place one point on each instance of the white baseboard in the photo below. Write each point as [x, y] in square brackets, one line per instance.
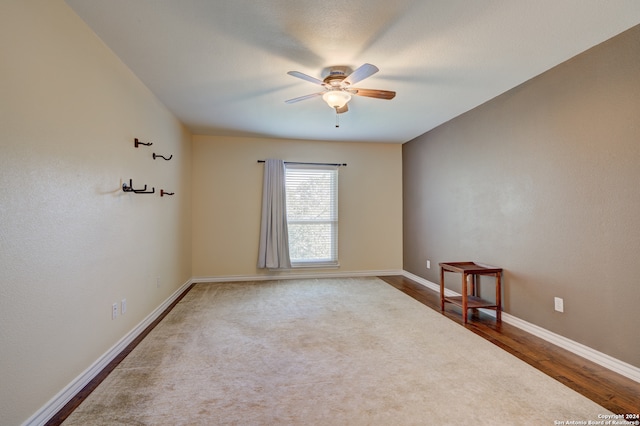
[579, 349]
[295, 276]
[64, 396]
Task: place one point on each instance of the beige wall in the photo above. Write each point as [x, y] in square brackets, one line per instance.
[72, 243]
[227, 188]
[544, 182]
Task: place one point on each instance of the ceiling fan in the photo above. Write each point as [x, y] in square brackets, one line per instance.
[338, 86]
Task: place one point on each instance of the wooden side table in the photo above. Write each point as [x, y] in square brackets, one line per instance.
[470, 301]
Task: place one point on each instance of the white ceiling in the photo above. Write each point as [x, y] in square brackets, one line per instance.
[221, 65]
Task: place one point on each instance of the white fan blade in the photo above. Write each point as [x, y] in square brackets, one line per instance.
[302, 98]
[306, 77]
[362, 72]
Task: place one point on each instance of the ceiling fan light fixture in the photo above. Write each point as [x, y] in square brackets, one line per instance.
[336, 98]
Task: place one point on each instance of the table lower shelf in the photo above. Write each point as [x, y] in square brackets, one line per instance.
[473, 302]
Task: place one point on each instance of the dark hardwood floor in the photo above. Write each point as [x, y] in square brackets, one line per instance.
[613, 391]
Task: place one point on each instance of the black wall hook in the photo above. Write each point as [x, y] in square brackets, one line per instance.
[163, 193]
[130, 188]
[144, 191]
[162, 156]
[136, 142]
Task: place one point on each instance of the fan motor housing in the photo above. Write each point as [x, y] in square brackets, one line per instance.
[334, 75]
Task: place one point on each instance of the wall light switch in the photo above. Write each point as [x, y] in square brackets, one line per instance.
[559, 304]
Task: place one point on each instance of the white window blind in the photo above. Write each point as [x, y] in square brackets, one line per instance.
[312, 214]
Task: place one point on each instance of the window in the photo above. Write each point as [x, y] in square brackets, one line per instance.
[312, 214]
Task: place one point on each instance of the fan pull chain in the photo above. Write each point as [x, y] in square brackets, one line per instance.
[337, 118]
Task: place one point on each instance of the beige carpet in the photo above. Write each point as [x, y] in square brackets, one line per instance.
[321, 352]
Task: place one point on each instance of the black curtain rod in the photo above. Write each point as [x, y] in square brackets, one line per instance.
[313, 164]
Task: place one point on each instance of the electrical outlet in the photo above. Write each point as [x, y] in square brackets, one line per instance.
[428, 264]
[123, 307]
[114, 311]
[559, 304]
[157, 282]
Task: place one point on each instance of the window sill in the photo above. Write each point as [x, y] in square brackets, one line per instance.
[316, 265]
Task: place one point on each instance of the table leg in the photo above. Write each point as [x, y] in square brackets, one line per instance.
[498, 298]
[472, 282]
[464, 298]
[441, 288]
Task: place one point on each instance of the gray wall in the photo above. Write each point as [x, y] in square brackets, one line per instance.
[543, 181]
